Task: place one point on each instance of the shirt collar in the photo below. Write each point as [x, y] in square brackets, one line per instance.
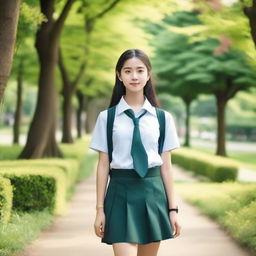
[123, 105]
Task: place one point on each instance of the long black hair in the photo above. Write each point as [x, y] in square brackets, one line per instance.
[119, 88]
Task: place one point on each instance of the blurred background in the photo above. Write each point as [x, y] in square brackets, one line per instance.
[203, 58]
[62, 71]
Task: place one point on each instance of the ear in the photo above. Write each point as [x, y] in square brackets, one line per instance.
[118, 76]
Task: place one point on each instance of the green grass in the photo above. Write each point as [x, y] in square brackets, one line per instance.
[8, 130]
[246, 159]
[9, 152]
[25, 227]
[22, 229]
[231, 204]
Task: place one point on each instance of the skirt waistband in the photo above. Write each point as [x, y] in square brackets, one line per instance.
[131, 173]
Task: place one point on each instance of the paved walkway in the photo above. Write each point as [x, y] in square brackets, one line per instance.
[246, 175]
[73, 234]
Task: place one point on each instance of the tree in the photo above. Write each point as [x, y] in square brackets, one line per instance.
[9, 15]
[176, 65]
[30, 18]
[250, 12]
[41, 141]
[70, 85]
[194, 67]
[174, 61]
[228, 24]
[231, 74]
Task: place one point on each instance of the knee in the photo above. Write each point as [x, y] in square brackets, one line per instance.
[125, 249]
[150, 249]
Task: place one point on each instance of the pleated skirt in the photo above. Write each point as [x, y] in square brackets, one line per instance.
[136, 209]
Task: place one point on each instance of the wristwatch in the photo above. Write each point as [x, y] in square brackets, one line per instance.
[174, 209]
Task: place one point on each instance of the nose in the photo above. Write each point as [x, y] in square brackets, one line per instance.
[134, 76]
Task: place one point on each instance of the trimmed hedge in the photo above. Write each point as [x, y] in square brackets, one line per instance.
[215, 168]
[6, 195]
[69, 166]
[43, 183]
[37, 188]
[77, 150]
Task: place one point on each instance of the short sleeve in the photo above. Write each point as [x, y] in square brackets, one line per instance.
[171, 138]
[99, 136]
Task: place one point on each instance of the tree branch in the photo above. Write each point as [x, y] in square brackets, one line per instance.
[79, 75]
[63, 70]
[103, 12]
[232, 92]
[60, 21]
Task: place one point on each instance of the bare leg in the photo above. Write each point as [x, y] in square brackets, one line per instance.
[150, 249]
[125, 249]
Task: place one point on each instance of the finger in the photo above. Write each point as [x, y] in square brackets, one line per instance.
[103, 226]
[97, 231]
[178, 229]
[173, 229]
[102, 232]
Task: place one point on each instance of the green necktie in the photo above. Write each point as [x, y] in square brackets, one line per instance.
[138, 152]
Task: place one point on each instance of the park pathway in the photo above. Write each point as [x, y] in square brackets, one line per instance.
[73, 234]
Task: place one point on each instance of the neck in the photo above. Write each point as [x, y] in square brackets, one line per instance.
[134, 99]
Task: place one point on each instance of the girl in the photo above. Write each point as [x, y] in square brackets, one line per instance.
[138, 209]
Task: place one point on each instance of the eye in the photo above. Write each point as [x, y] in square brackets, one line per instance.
[127, 71]
[141, 70]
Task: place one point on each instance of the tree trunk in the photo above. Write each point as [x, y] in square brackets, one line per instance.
[67, 117]
[187, 123]
[250, 12]
[41, 141]
[221, 102]
[80, 98]
[9, 15]
[41, 137]
[87, 120]
[68, 91]
[17, 116]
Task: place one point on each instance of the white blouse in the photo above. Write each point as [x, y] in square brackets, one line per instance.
[123, 131]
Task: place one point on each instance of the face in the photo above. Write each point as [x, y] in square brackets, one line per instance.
[134, 75]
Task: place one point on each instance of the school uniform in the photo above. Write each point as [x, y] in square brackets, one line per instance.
[136, 208]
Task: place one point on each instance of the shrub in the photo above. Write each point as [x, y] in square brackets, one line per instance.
[70, 167]
[6, 196]
[37, 188]
[215, 168]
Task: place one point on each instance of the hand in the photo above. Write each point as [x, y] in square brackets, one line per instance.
[99, 223]
[175, 225]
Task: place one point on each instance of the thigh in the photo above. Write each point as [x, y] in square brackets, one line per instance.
[150, 249]
[125, 249]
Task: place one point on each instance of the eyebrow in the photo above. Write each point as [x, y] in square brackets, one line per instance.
[131, 67]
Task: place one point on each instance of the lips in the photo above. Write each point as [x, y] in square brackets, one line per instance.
[134, 83]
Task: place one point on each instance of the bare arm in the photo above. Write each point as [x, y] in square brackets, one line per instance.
[102, 177]
[101, 184]
[168, 180]
[167, 176]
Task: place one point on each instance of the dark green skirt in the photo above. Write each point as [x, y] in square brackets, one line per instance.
[136, 209]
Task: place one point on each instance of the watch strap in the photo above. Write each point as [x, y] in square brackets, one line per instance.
[174, 209]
